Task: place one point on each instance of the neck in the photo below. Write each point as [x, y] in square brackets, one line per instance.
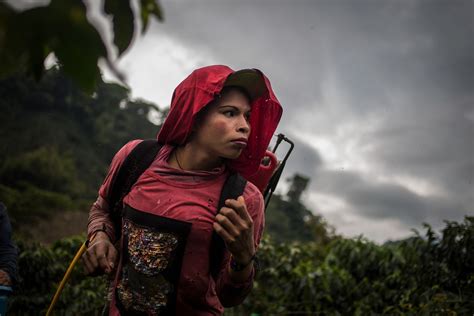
[188, 157]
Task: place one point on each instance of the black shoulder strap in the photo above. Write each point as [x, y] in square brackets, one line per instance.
[139, 159]
[233, 188]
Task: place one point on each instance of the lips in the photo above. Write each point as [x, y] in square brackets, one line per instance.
[241, 142]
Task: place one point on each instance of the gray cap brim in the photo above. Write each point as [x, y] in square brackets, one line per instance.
[249, 79]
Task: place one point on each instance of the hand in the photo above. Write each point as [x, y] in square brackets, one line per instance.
[5, 278]
[101, 255]
[235, 226]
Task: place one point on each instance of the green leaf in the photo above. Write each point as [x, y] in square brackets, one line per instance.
[23, 40]
[123, 22]
[77, 43]
[150, 7]
[26, 39]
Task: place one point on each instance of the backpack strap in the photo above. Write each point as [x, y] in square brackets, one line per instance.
[139, 159]
[233, 188]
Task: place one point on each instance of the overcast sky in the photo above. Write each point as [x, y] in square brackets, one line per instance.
[377, 95]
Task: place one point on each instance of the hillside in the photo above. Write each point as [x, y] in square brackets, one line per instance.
[56, 143]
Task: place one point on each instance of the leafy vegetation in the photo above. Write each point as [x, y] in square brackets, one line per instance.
[41, 270]
[420, 275]
[423, 275]
[288, 219]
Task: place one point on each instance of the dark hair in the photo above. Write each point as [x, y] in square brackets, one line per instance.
[226, 90]
[223, 92]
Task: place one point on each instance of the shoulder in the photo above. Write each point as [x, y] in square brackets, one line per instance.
[253, 199]
[251, 190]
[115, 165]
[126, 149]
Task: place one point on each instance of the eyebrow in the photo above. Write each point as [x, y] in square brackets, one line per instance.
[233, 107]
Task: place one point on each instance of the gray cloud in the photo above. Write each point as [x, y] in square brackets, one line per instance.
[382, 89]
[378, 200]
[303, 160]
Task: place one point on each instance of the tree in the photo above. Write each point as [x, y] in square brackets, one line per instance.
[298, 184]
[28, 37]
[288, 219]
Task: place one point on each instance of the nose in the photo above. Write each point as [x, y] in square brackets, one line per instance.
[243, 125]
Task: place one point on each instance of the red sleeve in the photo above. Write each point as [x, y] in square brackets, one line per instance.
[229, 292]
[99, 216]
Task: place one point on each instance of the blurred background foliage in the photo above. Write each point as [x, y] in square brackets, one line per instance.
[57, 141]
[59, 129]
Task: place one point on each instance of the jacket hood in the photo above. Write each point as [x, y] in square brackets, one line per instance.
[198, 90]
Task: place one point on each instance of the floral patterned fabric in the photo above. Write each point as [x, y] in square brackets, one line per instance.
[152, 257]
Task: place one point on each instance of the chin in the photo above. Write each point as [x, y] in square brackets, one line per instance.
[231, 155]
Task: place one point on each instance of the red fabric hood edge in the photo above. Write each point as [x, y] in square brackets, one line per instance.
[197, 91]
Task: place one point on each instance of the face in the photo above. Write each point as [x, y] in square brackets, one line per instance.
[224, 129]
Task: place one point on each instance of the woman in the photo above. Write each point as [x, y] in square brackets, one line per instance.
[219, 121]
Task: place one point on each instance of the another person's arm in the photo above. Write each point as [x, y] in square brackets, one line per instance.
[8, 251]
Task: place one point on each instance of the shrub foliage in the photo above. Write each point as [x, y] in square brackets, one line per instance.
[423, 275]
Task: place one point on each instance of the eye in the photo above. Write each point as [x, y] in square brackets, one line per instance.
[229, 113]
[247, 116]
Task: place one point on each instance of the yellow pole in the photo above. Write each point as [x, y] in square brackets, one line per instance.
[65, 278]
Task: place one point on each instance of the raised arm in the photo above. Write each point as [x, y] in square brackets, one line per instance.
[240, 223]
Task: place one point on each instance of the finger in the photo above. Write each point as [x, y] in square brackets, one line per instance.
[223, 233]
[102, 249]
[92, 257]
[227, 224]
[112, 256]
[239, 223]
[232, 215]
[88, 269]
[240, 208]
[103, 263]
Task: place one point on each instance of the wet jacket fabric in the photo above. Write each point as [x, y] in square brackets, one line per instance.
[192, 196]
